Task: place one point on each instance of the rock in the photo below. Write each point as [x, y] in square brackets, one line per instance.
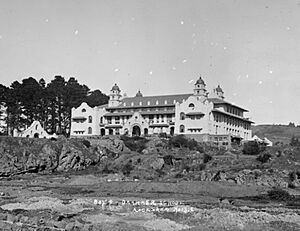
[87, 227]
[70, 226]
[70, 158]
[113, 144]
[157, 163]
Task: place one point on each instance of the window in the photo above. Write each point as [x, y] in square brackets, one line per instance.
[182, 116]
[89, 130]
[181, 129]
[90, 119]
[83, 110]
[191, 105]
[101, 120]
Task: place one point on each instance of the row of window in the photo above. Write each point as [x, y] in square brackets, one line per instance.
[234, 111]
[192, 117]
[231, 121]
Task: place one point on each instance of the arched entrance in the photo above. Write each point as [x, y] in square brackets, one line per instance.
[102, 131]
[136, 130]
[172, 129]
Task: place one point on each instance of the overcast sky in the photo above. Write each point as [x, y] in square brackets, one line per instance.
[250, 47]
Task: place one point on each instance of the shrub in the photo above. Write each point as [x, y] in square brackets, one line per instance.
[294, 175]
[264, 158]
[294, 141]
[136, 143]
[168, 159]
[251, 148]
[180, 141]
[86, 143]
[162, 135]
[127, 168]
[192, 144]
[206, 158]
[278, 194]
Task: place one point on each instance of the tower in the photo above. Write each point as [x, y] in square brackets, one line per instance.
[115, 96]
[139, 94]
[199, 89]
[219, 92]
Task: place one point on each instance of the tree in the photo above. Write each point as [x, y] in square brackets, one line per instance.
[15, 117]
[3, 97]
[96, 98]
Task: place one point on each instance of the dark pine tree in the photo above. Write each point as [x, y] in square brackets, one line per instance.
[96, 98]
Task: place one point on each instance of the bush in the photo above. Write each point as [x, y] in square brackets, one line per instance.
[163, 135]
[264, 158]
[180, 141]
[294, 141]
[86, 143]
[251, 148]
[279, 195]
[135, 143]
[127, 168]
[294, 175]
[206, 158]
[168, 159]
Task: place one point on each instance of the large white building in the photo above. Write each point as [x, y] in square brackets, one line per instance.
[203, 116]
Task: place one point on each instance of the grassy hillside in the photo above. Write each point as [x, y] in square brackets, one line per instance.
[281, 133]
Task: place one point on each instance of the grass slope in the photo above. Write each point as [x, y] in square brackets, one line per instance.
[281, 133]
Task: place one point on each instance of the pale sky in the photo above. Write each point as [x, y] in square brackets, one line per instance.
[250, 47]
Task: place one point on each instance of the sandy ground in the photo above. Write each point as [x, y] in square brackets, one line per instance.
[91, 202]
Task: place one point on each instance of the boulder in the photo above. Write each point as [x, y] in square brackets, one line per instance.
[70, 158]
[112, 144]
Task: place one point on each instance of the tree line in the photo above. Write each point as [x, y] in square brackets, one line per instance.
[49, 103]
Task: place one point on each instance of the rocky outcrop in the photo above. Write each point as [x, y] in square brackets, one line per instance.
[21, 155]
[111, 143]
[247, 176]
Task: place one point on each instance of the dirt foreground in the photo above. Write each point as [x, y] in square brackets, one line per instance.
[93, 202]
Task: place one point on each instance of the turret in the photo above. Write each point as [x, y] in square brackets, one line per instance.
[115, 96]
[139, 94]
[218, 92]
[199, 89]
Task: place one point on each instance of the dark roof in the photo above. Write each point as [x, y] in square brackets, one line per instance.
[115, 88]
[79, 118]
[221, 101]
[195, 113]
[139, 94]
[119, 114]
[219, 89]
[232, 115]
[162, 100]
[200, 81]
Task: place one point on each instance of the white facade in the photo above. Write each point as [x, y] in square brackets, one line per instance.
[35, 130]
[198, 114]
